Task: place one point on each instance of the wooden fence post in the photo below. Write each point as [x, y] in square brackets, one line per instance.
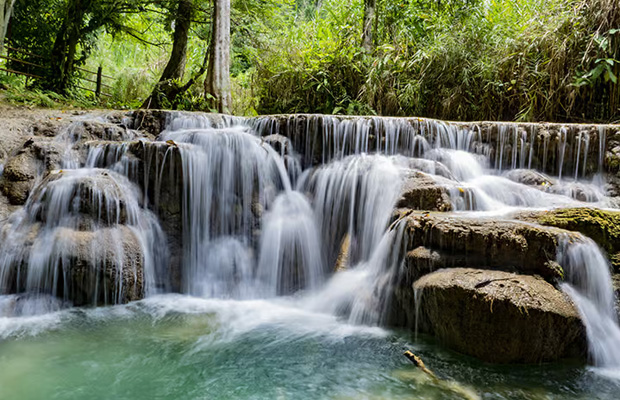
[99, 73]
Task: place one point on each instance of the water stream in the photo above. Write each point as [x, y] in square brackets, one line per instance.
[262, 313]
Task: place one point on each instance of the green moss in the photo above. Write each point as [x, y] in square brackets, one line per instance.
[601, 226]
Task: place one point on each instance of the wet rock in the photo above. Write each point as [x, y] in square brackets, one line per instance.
[150, 121]
[499, 317]
[6, 209]
[281, 144]
[98, 196]
[602, 226]
[92, 267]
[479, 242]
[615, 280]
[105, 265]
[342, 262]
[529, 177]
[420, 191]
[431, 167]
[90, 130]
[158, 170]
[35, 158]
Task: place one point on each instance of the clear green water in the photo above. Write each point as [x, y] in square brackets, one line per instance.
[175, 347]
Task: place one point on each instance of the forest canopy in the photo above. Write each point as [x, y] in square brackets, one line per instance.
[527, 60]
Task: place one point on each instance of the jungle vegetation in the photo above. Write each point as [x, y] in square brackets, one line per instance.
[526, 60]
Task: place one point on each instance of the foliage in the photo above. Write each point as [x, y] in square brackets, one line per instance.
[14, 92]
[555, 60]
[464, 60]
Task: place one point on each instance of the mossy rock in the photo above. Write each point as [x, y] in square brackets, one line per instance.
[601, 226]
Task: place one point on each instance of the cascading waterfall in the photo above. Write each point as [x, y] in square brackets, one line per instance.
[303, 216]
[230, 178]
[354, 197]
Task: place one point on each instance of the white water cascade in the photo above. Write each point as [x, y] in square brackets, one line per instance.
[308, 222]
[588, 283]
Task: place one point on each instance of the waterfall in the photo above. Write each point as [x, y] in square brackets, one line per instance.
[290, 249]
[294, 207]
[588, 282]
[229, 177]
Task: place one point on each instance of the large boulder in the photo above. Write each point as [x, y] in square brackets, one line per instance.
[156, 167]
[498, 316]
[529, 177]
[96, 196]
[106, 266]
[99, 267]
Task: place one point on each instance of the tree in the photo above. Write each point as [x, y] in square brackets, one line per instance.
[217, 84]
[370, 7]
[167, 88]
[82, 20]
[6, 8]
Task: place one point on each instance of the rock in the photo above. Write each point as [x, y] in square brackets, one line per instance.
[20, 171]
[602, 226]
[420, 191]
[98, 196]
[36, 157]
[6, 209]
[482, 243]
[529, 177]
[151, 121]
[156, 168]
[342, 262]
[49, 127]
[95, 267]
[281, 144]
[105, 265]
[499, 317]
[431, 167]
[90, 130]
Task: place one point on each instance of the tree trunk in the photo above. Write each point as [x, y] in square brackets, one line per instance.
[175, 69]
[217, 83]
[65, 47]
[6, 8]
[370, 7]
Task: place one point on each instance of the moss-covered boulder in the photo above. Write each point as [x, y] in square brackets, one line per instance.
[498, 316]
[602, 226]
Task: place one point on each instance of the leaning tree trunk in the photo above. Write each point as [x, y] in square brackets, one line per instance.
[217, 83]
[175, 69]
[369, 18]
[6, 8]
